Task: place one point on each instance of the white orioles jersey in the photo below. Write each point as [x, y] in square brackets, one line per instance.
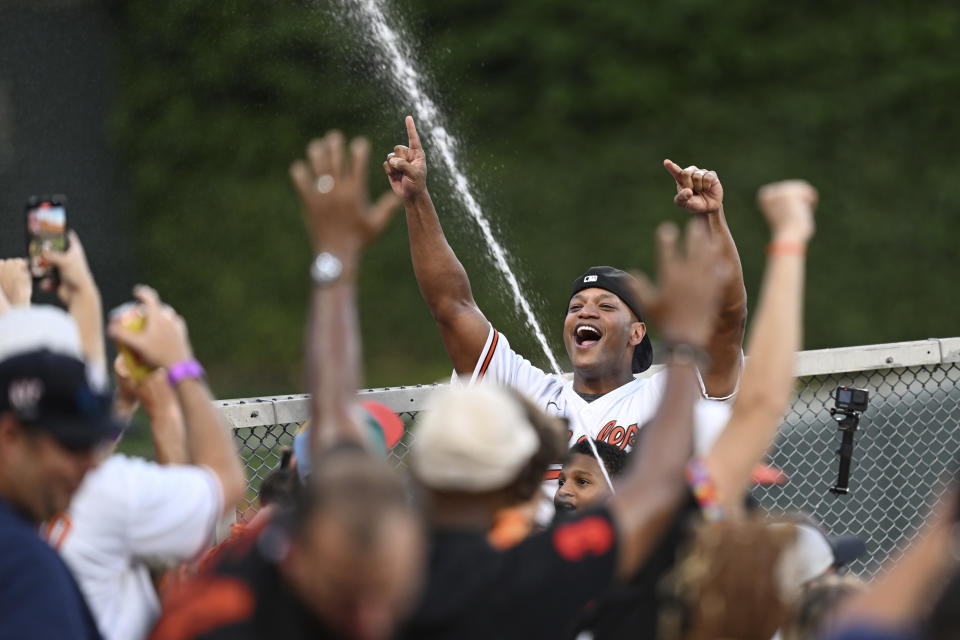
[615, 417]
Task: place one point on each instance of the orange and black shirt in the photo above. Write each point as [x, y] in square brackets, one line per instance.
[531, 590]
[244, 597]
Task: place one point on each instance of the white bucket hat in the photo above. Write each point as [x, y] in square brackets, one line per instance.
[472, 439]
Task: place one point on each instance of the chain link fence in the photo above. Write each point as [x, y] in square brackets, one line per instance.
[904, 453]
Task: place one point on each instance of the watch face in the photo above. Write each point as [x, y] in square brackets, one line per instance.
[326, 268]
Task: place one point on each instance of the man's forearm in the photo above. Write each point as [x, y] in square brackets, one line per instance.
[169, 436]
[725, 346]
[442, 279]
[87, 311]
[209, 440]
[655, 486]
[334, 360]
[667, 442]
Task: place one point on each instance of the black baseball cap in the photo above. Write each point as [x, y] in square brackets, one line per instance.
[619, 283]
[51, 392]
[45, 383]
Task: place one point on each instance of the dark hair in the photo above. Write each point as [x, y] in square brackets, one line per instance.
[553, 440]
[278, 486]
[944, 620]
[614, 458]
[818, 604]
[352, 486]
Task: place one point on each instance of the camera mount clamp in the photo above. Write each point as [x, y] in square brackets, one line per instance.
[847, 422]
[850, 404]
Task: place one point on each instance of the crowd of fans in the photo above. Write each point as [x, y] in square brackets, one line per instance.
[607, 505]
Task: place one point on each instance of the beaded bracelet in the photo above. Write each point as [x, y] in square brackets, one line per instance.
[704, 490]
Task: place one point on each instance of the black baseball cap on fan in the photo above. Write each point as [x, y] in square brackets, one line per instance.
[51, 392]
[619, 283]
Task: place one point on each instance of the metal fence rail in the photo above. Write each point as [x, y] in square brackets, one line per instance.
[905, 449]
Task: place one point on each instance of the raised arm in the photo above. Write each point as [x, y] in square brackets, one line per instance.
[699, 191]
[79, 292]
[341, 223]
[163, 343]
[442, 279]
[684, 309]
[768, 382]
[16, 285]
[160, 404]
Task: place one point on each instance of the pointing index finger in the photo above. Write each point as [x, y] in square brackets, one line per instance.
[673, 169]
[412, 133]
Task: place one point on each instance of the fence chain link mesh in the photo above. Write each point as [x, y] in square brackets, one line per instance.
[904, 453]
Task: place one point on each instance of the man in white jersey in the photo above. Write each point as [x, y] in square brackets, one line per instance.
[603, 332]
[129, 511]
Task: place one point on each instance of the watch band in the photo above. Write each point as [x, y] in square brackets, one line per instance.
[685, 353]
[325, 269]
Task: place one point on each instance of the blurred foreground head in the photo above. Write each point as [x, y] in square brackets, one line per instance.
[737, 579]
[485, 443]
[53, 420]
[352, 546]
[819, 604]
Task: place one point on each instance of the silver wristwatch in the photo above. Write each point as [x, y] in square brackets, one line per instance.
[325, 269]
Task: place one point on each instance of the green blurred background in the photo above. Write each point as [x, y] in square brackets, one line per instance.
[171, 126]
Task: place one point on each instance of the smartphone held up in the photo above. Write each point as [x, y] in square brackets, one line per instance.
[46, 231]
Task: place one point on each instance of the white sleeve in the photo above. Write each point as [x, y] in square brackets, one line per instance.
[499, 363]
[173, 510]
[710, 418]
[736, 387]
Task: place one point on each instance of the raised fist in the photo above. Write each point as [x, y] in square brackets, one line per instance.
[788, 207]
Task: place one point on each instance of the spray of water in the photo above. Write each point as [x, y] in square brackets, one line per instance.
[402, 74]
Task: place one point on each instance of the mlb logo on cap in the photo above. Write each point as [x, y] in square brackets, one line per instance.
[592, 278]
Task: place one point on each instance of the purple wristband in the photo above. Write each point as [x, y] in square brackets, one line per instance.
[183, 370]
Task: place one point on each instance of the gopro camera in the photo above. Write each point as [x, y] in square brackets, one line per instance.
[850, 400]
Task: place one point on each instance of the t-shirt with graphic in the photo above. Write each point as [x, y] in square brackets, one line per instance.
[632, 609]
[532, 590]
[127, 512]
[38, 596]
[615, 417]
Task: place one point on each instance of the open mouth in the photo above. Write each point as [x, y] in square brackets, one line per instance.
[565, 507]
[587, 335]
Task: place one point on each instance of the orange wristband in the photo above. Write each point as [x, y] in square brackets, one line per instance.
[786, 249]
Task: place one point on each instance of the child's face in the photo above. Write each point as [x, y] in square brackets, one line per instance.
[581, 485]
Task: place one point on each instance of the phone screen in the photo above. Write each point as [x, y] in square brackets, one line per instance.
[46, 231]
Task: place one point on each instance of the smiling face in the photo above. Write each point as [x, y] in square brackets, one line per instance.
[582, 485]
[600, 333]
